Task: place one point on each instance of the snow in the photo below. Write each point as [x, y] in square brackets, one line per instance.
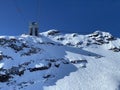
[2, 37]
[1, 65]
[39, 65]
[61, 62]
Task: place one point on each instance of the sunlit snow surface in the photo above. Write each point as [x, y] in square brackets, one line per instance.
[55, 61]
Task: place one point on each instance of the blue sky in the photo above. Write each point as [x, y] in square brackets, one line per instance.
[80, 16]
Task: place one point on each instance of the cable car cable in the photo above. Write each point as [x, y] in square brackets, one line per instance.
[19, 10]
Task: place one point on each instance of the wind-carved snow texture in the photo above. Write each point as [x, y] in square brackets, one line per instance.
[56, 61]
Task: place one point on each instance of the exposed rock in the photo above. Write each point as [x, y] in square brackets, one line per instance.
[61, 38]
[4, 78]
[40, 68]
[50, 43]
[7, 57]
[53, 32]
[1, 55]
[74, 35]
[79, 43]
[31, 51]
[101, 37]
[16, 71]
[46, 76]
[69, 44]
[81, 62]
[57, 65]
[115, 49]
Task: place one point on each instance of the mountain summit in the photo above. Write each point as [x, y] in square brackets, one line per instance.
[56, 61]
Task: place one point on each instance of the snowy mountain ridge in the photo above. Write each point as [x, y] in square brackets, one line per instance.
[91, 62]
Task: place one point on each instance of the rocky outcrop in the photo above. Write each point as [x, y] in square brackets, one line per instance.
[100, 38]
[53, 32]
[115, 49]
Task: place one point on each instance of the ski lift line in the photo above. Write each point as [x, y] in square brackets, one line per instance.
[21, 13]
[19, 10]
[38, 7]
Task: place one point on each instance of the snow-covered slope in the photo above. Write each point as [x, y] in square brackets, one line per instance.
[56, 61]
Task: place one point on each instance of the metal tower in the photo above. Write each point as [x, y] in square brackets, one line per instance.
[33, 29]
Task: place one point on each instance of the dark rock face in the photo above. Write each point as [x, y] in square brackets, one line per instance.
[79, 61]
[40, 68]
[115, 49]
[1, 55]
[98, 38]
[53, 32]
[7, 57]
[60, 38]
[31, 51]
[47, 76]
[82, 62]
[16, 71]
[74, 35]
[101, 37]
[50, 63]
[7, 74]
[3, 41]
[4, 78]
[15, 47]
[13, 43]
